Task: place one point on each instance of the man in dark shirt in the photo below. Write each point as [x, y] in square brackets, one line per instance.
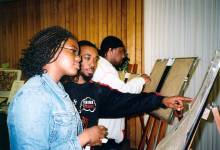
[94, 100]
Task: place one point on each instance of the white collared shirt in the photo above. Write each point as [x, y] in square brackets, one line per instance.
[107, 74]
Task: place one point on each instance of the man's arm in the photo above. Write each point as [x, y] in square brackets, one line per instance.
[134, 85]
[114, 104]
[28, 122]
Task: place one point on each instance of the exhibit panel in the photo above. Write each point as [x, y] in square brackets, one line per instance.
[181, 136]
[169, 77]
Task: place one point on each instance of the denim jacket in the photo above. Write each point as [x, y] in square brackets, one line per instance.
[41, 116]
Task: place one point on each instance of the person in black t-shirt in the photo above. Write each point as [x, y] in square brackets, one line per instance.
[94, 100]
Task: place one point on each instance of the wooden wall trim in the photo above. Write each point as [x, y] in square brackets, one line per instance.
[87, 19]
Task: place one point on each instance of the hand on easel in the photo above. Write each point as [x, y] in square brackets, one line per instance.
[147, 78]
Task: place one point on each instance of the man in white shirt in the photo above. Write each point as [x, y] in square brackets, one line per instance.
[112, 52]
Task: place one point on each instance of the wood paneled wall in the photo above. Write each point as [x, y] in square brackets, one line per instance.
[87, 19]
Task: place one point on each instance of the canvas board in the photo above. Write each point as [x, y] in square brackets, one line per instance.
[156, 74]
[180, 136]
[175, 83]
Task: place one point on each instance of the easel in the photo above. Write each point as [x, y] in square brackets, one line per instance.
[169, 77]
[132, 69]
[181, 136]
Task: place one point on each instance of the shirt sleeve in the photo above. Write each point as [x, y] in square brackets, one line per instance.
[28, 122]
[114, 104]
[134, 85]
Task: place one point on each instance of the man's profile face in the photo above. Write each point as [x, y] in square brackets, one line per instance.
[89, 62]
[118, 55]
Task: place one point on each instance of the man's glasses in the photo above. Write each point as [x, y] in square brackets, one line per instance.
[74, 50]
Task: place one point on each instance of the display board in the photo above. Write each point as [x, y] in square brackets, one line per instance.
[180, 137]
[170, 77]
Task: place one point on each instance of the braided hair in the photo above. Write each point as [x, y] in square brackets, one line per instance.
[42, 49]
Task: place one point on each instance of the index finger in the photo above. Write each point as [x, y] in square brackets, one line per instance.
[185, 99]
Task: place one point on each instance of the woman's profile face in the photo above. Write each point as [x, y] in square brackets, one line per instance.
[68, 60]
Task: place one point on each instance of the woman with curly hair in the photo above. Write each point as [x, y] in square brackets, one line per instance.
[41, 114]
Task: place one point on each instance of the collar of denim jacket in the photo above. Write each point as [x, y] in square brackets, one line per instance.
[57, 88]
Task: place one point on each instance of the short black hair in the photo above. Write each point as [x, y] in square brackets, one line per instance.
[109, 42]
[86, 43]
[42, 48]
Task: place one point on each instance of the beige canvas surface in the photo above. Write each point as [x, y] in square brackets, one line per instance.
[181, 136]
[156, 74]
[174, 84]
